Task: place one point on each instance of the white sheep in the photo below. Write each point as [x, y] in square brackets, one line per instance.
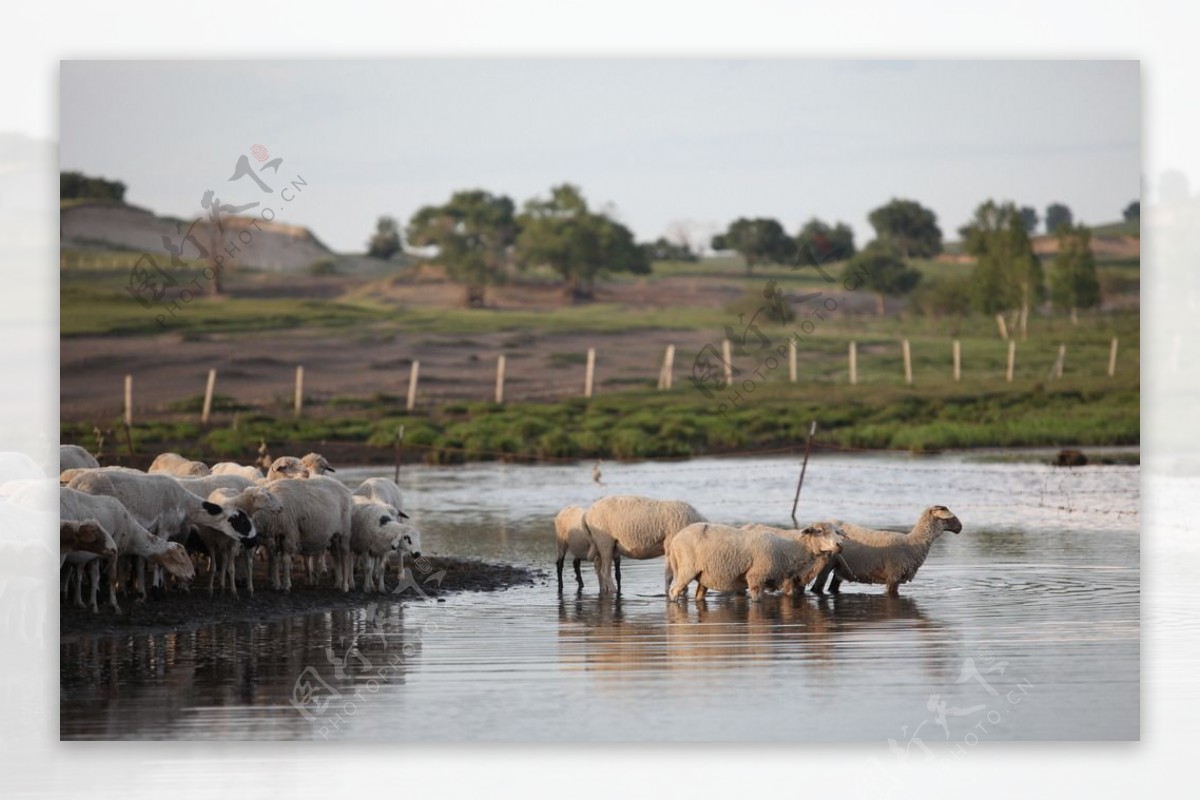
[129, 537]
[872, 556]
[71, 473]
[571, 537]
[632, 526]
[175, 465]
[234, 469]
[730, 559]
[85, 535]
[380, 490]
[822, 556]
[251, 499]
[285, 467]
[163, 506]
[316, 517]
[317, 464]
[376, 534]
[70, 456]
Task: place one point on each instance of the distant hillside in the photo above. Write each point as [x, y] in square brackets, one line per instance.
[112, 225]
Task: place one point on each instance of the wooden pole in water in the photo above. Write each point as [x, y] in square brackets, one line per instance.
[1112, 358]
[957, 360]
[907, 363]
[208, 397]
[128, 400]
[413, 373]
[792, 360]
[1012, 360]
[727, 356]
[1002, 326]
[812, 430]
[400, 451]
[590, 375]
[500, 379]
[298, 403]
[853, 362]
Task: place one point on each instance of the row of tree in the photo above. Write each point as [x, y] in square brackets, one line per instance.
[76, 185]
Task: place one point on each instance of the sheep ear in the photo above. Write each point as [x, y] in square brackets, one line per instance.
[211, 508]
[942, 512]
[402, 515]
[383, 521]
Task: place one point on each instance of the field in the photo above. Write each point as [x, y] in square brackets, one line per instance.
[357, 336]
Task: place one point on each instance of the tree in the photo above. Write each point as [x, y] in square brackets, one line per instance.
[385, 242]
[577, 243]
[1073, 282]
[909, 227]
[72, 185]
[1007, 274]
[1057, 214]
[821, 243]
[1133, 211]
[880, 269]
[473, 234]
[663, 249]
[761, 240]
[1029, 218]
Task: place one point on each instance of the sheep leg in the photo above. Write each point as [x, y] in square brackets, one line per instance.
[76, 580]
[893, 589]
[578, 575]
[248, 559]
[834, 584]
[94, 576]
[558, 566]
[112, 585]
[818, 586]
[617, 569]
[679, 586]
[603, 565]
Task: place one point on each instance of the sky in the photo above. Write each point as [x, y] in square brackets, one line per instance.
[653, 141]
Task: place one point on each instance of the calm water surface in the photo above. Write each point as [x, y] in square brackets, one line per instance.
[1025, 626]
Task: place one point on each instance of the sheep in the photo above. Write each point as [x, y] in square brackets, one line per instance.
[175, 465]
[251, 499]
[316, 517]
[162, 505]
[70, 456]
[375, 534]
[571, 536]
[731, 559]
[85, 535]
[70, 474]
[870, 556]
[317, 464]
[285, 467]
[380, 490]
[207, 485]
[129, 538]
[632, 526]
[804, 536]
[234, 469]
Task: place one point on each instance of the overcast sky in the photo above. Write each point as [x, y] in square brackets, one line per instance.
[658, 140]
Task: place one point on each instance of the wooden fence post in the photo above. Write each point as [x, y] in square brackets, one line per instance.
[1002, 326]
[590, 375]
[413, 372]
[208, 397]
[1058, 363]
[667, 374]
[728, 357]
[1012, 360]
[128, 400]
[957, 360]
[500, 379]
[792, 360]
[907, 363]
[298, 404]
[1112, 358]
[853, 363]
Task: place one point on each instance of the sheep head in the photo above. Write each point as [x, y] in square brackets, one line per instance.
[947, 518]
[287, 467]
[229, 520]
[87, 535]
[827, 538]
[317, 464]
[175, 560]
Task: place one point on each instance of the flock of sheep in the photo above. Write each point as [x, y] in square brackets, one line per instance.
[115, 522]
[180, 513]
[754, 557]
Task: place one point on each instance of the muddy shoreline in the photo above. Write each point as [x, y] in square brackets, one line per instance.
[183, 611]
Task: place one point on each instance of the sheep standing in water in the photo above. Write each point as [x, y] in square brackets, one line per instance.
[822, 557]
[871, 556]
[634, 527]
[731, 559]
[571, 536]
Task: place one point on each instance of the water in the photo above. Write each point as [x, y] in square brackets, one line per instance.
[1025, 626]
